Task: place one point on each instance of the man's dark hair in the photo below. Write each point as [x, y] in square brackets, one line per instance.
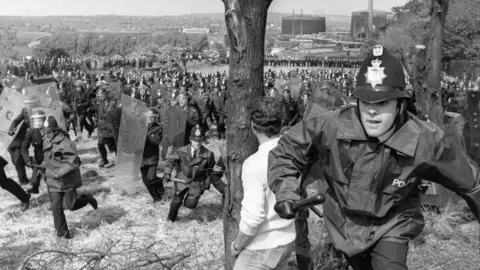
[266, 117]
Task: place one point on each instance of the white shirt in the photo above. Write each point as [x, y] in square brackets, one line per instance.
[257, 216]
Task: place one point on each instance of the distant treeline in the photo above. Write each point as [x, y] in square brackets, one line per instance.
[82, 44]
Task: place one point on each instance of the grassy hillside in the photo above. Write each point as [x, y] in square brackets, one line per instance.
[131, 232]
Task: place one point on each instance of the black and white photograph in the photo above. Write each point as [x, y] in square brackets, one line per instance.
[240, 135]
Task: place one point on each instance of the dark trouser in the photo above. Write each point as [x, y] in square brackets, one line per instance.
[13, 187]
[110, 142]
[220, 118]
[19, 164]
[302, 244]
[153, 183]
[90, 120]
[72, 202]
[36, 178]
[83, 123]
[72, 124]
[36, 175]
[384, 255]
[218, 184]
[188, 196]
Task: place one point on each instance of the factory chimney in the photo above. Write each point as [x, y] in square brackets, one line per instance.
[370, 19]
[301, 22]
[293, 24]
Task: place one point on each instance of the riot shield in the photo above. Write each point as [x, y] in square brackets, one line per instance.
[473, 118]
[131, 142]
[175, 125]
[49, 101]
[11, 105]
[14, 82]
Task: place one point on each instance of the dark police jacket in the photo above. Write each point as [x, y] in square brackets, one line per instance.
[194, 171]
[17, 141]
[372, 189]
[34, 138]
[151, 151]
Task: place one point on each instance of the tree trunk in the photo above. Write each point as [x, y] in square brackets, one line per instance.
[245, 21]
[431, 101]
[430, 95]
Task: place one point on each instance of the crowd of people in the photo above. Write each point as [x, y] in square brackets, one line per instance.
[367, 155]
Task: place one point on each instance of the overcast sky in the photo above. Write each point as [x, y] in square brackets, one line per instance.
[177, 7]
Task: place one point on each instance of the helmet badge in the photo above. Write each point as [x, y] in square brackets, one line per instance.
[375, 74]
[198, 133]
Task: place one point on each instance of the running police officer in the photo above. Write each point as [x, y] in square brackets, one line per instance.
[373, 155]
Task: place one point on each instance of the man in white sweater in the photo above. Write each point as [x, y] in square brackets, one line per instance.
[265, 241]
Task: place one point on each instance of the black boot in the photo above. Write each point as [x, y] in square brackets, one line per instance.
[304, 263]
[103, 163]
[26, 204]
[174, 207]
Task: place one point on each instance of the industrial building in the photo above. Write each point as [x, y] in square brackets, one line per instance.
[359, 23]
[303, 24]
[196, 31]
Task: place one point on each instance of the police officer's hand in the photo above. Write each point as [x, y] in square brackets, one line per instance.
[166, 178]
[11, 132]
[284, 210]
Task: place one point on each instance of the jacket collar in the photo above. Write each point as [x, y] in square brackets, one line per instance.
[404, 140]
[56, 140]
[189, 150]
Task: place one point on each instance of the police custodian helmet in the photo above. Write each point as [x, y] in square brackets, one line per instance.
[197, 133]
[381, 77]
[39, 115]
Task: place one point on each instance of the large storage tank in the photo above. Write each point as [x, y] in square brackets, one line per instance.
[306, 24]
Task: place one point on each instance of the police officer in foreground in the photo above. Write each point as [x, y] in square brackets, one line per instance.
[62, 172]
[194, 163]
[374, 156]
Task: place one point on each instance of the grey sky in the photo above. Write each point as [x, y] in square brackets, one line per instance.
[177, 7]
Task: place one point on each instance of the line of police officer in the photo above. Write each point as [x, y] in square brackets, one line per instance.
[345, 62]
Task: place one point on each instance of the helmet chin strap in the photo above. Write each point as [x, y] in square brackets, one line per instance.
[400, 118]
